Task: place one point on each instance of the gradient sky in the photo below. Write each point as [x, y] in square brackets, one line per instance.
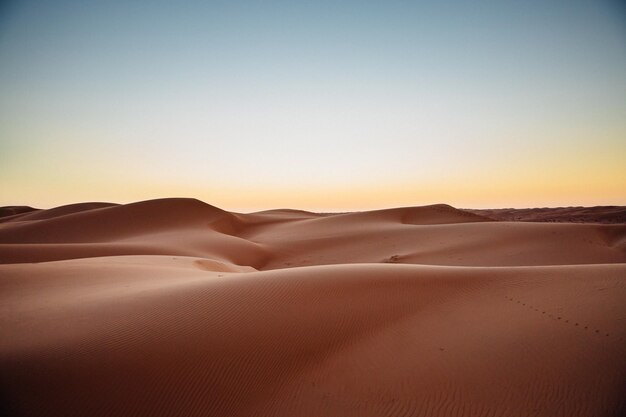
[321, 105]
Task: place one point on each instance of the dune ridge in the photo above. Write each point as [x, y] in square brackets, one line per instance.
[599, 214]
[176, 307]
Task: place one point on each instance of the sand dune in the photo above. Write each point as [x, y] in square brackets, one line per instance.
[174, 307]
[600, 214]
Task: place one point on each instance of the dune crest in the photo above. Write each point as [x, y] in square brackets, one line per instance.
[176, 307]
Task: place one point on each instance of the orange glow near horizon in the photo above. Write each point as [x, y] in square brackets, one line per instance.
[506, 192]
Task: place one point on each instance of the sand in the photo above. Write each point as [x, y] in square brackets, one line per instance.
[174, 307]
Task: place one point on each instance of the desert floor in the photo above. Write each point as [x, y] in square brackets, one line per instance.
[174, 307]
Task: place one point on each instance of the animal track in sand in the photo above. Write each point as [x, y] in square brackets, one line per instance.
[554, 317]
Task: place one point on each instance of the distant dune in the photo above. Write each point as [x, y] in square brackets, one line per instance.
[175, 307]
[600, 214]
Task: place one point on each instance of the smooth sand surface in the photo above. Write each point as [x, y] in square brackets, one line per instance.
[174, 307]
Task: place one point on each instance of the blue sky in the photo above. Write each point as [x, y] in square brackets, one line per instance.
[318, 105]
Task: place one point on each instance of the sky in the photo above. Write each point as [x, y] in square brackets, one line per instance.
[318, 105]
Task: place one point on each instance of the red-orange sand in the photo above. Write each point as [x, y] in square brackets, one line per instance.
[177, 308]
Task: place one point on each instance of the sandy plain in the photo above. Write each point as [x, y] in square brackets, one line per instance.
[174, 307]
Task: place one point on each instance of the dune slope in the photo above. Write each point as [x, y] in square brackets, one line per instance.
[177, 308]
